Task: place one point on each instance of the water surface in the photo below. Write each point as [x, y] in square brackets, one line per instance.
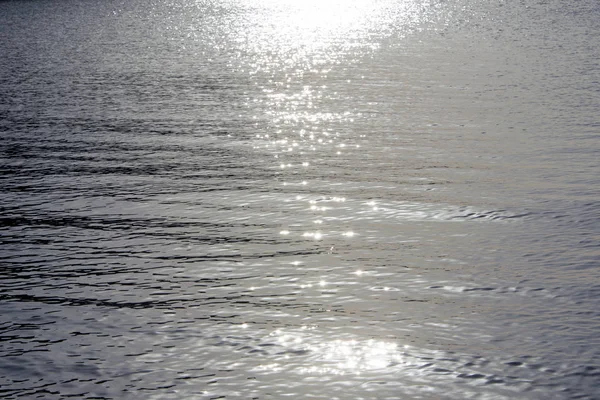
[330, 200]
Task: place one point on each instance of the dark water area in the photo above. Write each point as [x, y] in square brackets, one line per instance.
[312, 200]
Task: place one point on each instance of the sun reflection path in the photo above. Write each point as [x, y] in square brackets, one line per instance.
[300, 50]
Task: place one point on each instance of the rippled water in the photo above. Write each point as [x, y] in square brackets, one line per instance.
[319, 199]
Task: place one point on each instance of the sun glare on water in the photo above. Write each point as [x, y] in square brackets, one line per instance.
[338, 357]
[311, 26]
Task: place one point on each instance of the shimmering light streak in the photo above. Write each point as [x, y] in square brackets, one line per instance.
[342, 356]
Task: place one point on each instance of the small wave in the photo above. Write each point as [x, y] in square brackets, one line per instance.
[416, 211]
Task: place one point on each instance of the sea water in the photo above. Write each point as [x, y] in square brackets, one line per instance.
[260, 199]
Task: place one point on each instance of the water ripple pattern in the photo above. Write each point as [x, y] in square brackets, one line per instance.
[260, 199]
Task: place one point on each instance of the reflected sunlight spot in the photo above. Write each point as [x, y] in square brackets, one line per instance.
[274, 367]
[308, 327]
[349, 234]
[340, 356]
[373, 205]
[353, 356]
[284, 232]
[315, 235]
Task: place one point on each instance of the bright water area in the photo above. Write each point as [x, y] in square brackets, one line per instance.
[260, 199]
